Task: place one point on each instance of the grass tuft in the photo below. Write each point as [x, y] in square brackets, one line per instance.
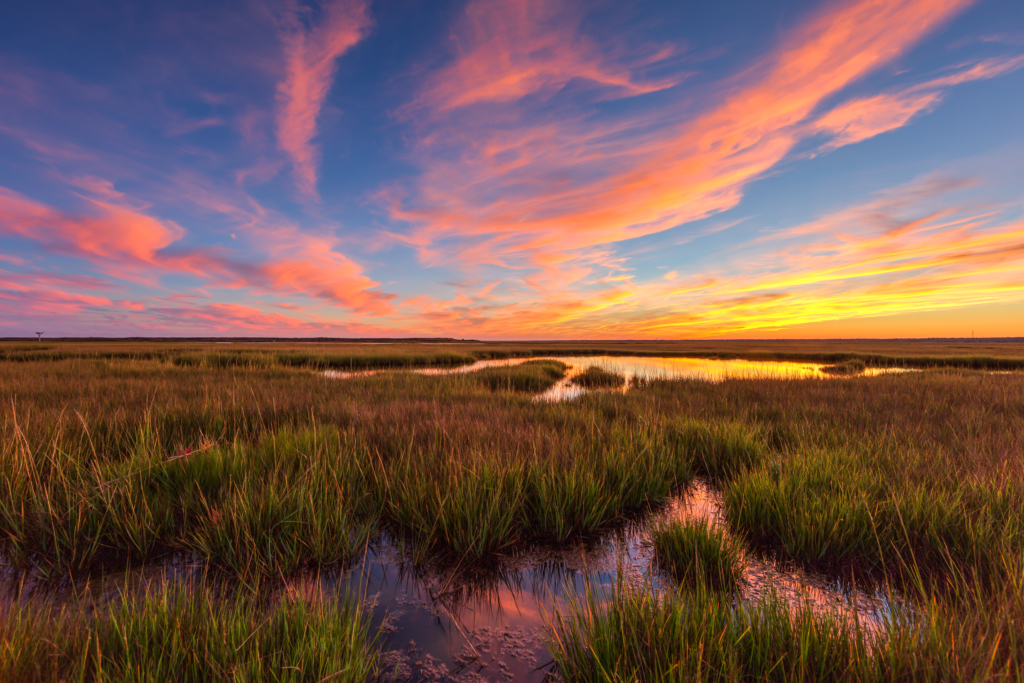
[531, 376]
[697, 553]
[639, 635]
[191, 635]
[598, 378]
[720, 451]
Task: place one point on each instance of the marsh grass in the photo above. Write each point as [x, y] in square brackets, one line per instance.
[190, 635]
[367, 361]
[311, 508]
[356, 355]
[264, 469]
[698, 553]
[839, 510]
[884, 473]
[532, 376]
[637, 634]
[720, 450]
[474, 506]
[289, 501]
[598, 378]
[967, 632]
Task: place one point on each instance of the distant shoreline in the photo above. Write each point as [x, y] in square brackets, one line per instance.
[451, 340]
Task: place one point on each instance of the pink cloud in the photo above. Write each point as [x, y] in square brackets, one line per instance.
[310, 54]
[21, 300]
[913, 248]
[127, 244]
[512, 48]
[863, 118]
[503, 188]
[112, 235]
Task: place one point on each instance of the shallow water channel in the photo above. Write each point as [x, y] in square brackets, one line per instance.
[452, 625]
[631, 367]
[494, 628]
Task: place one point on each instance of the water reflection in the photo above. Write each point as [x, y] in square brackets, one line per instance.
[702, 369]
[471, 624]
[634, 367]
[452, 625]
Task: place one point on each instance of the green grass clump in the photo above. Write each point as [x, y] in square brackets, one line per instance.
[698, 554]
[293, 499]
[472, 507]
[835, 509]
[304, 501]
[274, 527]
[531, 376]
[191, 636]
[598, 378]
[629, 470]
[965, 632]
[719, 450]
[638, 635]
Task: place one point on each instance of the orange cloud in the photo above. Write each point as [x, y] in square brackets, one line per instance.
[307, 265]
[127, 244]
[114, 235]
[20, 297]
[911, 249]
[864, 118]
[310, 55]
[515, 185]
[510, 49]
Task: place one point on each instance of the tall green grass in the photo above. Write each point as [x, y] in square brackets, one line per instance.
[311, 507]
[840, 509]
[639, 635]
[190, 635]
[477, 505]
[261, 469]
[290, 500]
[264, 470]
[966, 632]
[719, 450]
[698, 554]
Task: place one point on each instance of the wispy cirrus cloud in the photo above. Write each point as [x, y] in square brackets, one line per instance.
[161, 191]
[313, 42]
[503, 185]
[863, 118]
[514, 48]
[21, 297]
[125, 243]
[109, 234]
[917, 247]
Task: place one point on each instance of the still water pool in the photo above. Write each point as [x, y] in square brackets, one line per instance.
[633, 367]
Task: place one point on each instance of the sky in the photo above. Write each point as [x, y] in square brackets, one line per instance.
[513, 169]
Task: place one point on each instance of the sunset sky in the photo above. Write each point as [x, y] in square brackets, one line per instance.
[535, 169]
